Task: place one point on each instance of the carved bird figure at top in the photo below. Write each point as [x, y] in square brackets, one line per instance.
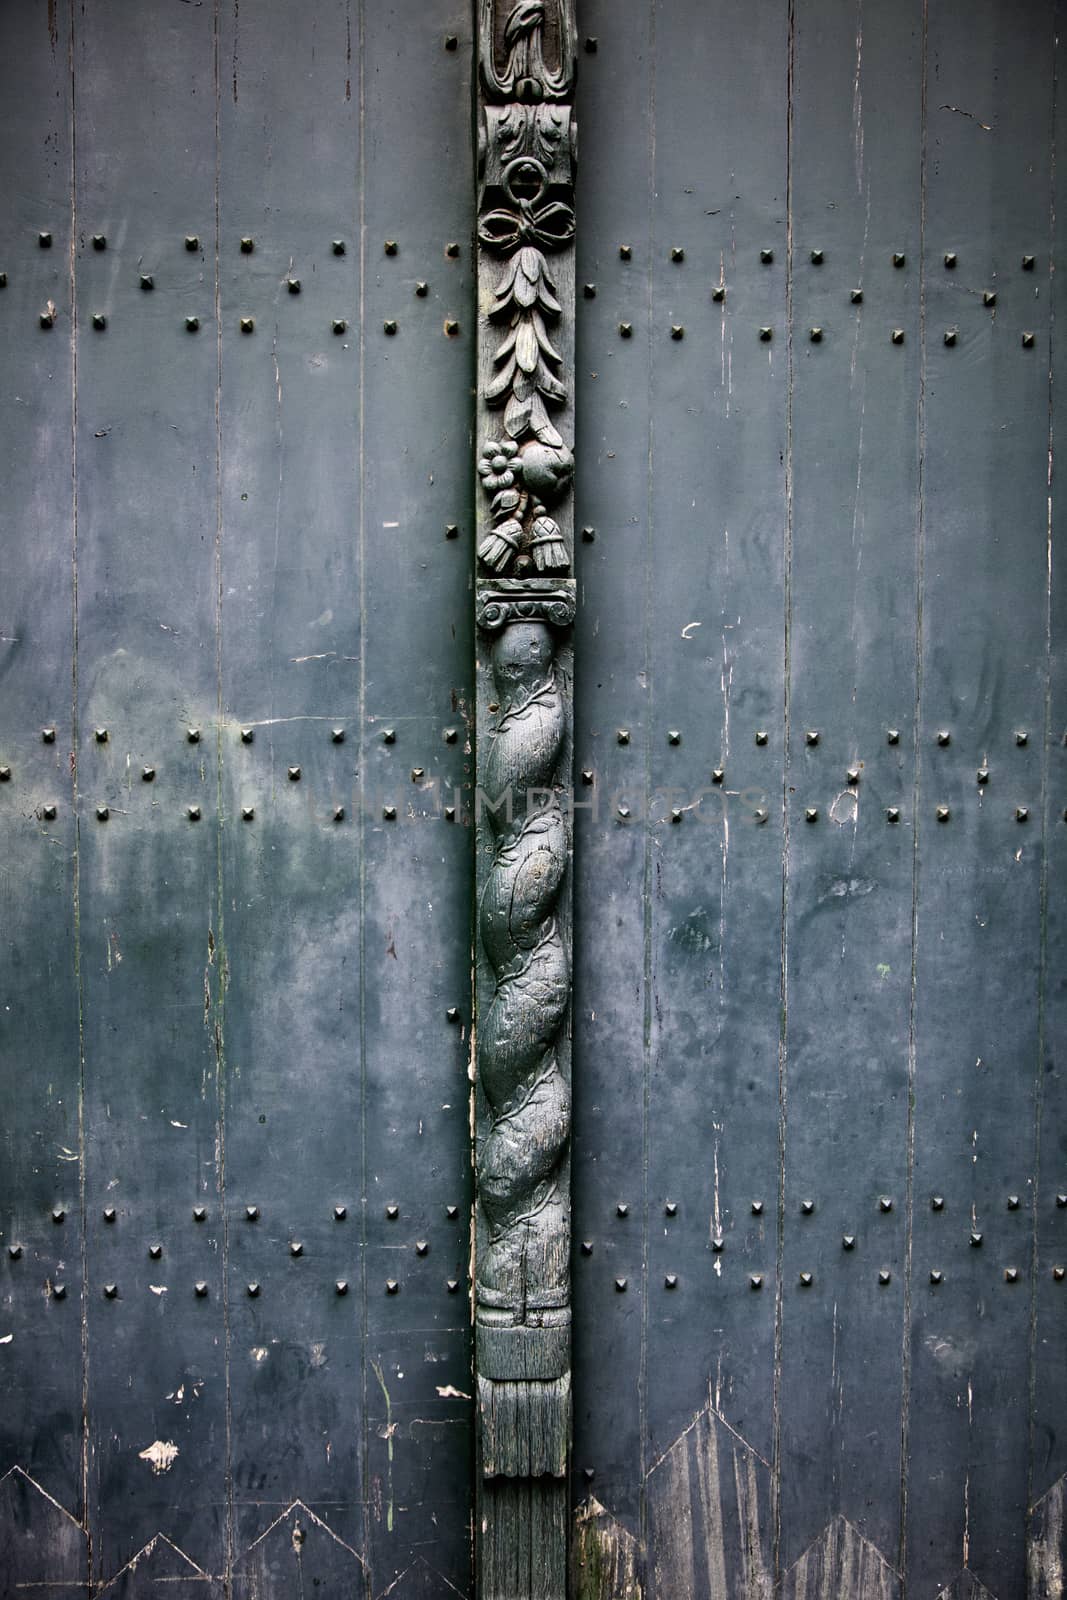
[527, 76]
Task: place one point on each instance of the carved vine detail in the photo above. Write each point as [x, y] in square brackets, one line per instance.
[524, 1266]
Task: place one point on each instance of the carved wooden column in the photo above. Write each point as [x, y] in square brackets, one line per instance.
[524, 600]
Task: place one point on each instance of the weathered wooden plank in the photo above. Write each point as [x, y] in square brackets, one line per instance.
[148, 869]
[288, 998]
[854, 471]
[984, 433]
[611, 730]
[41, 1359]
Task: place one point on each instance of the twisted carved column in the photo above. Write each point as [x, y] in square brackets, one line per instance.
[524, 611]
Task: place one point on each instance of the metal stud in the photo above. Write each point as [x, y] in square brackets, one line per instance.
[340, 1287]
[1028, 341]
[296, 1248]
[102, 813]
[452, 249]
[293, 285]
[899, 258]
[47, 318]
[755, 1280]
[15, 1252]
[976, 1241]
[192, 324]
[892, 814]
[757, 1208]
[950, 259]
[109, 1213]
[856, 297]
[807, 1207]
[1061, 1201]
[937, 1202]
[390, 247]
[766, 256]
[812, 736]
[421, 1247]
[451, 41]
[1028, 263]
[884, 1277]
[623, 812]
[677, 331]
[252, 1213]
[817, 258]
[99, 321]
[587, 1247]
[718, 1244]
[625, 252]
[338, 247]
[339, 326]
[389, 813]
[1022, 813]
[99, 241]
[294, 774]
[451, 1212]
[943, 813]
[848, 1241]
[100, 735]
[622, 1209]
[253, 1291]
[247, 246]
[936, 1275]
[451, 327]
[815, 335]
[766, 334]
[247, 735]
[719, 292]
[452, 1285]
[587, 776]
[422, 289]
[148, 774]
[989, 298]
[1021, 736]
[48, 812]
[450, 735]
[450, 813]
[853, 775]
[897, 336]
[622, 736]
[811, 814]
[389, 735]
[391, 1286]
[761, 736]
[147, 282]
[1058, 1273]
[194, 813]
[950, 335]
[340, 1213]
[392, 1211]
[676, 813]
[48, 735]
[192, 242]
[1013, 1202]
[718, 774]
[59, 1291]
[620, 1285]
[944, 737]
[677, 253]
[671, 1208]
[199, 1213]
[452, 531]
[155, 1251]
[626, 330]
[248, 324]
[671, 1281]
[892, 736]
[885, 1202]
[673, 736]
[982, 775]
[806, 1280]
[248, 813]
[1011, 1274]
[760, 814]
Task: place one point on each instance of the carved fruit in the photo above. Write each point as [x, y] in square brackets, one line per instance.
[547, 470]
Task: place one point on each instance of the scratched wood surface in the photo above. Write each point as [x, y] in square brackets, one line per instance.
[228, 992]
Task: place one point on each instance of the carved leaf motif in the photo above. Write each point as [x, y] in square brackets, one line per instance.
[517, 416]
[550, 386]
[501, 383]
[527, 349]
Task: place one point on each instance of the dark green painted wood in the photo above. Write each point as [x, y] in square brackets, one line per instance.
[41, 1366]
[854, 470]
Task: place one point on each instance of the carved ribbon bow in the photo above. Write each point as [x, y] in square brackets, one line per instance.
[549, 224]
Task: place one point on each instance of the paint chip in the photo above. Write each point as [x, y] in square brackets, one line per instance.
[160, 1456]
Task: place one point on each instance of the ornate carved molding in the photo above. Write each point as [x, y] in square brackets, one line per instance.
[524, 608]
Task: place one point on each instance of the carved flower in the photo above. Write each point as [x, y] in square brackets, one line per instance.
[497, 466]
